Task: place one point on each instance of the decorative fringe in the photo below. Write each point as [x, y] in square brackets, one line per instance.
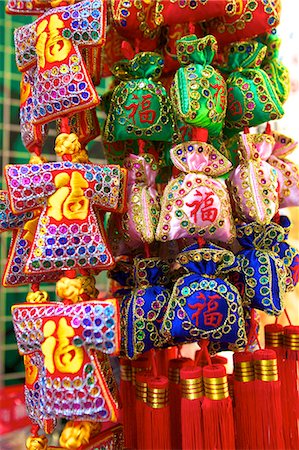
[268, 417]
[192, 392]
[217, 410]
[175, 365]
[274, 341]
[127, 396]
[156, 417]
[289, 382]
[141, 399]
[244, 401]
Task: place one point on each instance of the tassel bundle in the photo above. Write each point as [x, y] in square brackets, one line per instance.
[156, 415]
[244, 400]
[127, 400]
[141, 399]
[192, 392]
[268, 417]
[175, 365]
[217, 409]
[290, 394]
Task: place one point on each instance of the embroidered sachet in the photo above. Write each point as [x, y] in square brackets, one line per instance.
[23, 227]
[287, 171]
[254, 182]
[34, 7]
[252, 98]
[274, 68]
[288, 254]
[199, 91]
[121, 277]
[63, 85]
[174, 11]
[69, 232]
[143, 309]
[138, 224]
[203, 303]
[250, 18]
[262, 271]
[64, 341]
[196, 203]
[135, 21]
[140, 107]
[171, 34]
[33, 136]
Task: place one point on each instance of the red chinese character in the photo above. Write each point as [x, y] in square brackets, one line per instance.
[211, 317]
[146, 115]
[220, 91]
[205, 206]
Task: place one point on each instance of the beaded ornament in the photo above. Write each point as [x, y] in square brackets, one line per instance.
[74, 387]
[274, 68]
[252, 99]
[250, 18]
[63, 84]
[143, 309]
[203, 303]
[262, 271]
[135, 21]
[287, 171]
[69, 232]
[140, 107]
[196, 203]
[253, 183]
[198, 90]
[168, 12]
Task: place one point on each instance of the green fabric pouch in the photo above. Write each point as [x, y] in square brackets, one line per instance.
[140, 107]
[274, 68]
[199, 91]
[252, 99]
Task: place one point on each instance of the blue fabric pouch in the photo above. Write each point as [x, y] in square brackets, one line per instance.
[204, 304]
[263, 272]
[143, 309]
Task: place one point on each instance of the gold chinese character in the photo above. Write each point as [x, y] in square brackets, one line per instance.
[51, 46]
[69, 200]
[58, 351]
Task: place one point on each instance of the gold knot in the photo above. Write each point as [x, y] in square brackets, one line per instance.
[37, 443]
[38, 297]
[67, 144]
[76, 434]
[69, 288]
[35, 159]
[89, 286]
[73, 288]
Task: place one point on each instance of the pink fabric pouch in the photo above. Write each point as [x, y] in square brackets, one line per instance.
[254, 183]
[196, 203]
[138, 224]
[287, 171]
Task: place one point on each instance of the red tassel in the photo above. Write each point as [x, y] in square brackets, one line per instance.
[191, 414]
[290, 394]
[175, 366]
[217, 410]
[156, 415]
[244, 401]
[274, 341]
[268, 416]
[128, 402]
[141, 398]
